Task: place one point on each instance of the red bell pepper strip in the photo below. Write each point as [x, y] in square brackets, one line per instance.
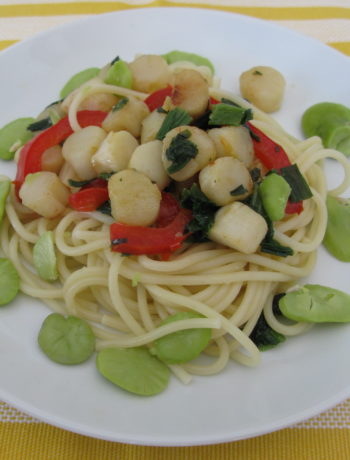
[132, 239]
[294, 208]
[169, 208]
[272, 156]
[267, 151]
[88, 199]
[30, 156]
[157, 98]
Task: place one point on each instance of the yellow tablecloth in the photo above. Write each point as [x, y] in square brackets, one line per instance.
[325, 437]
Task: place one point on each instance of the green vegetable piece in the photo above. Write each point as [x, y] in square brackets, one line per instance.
[66, 340]
[274, 192]
[181, 346]
[9, 281]
[300, 188]
[337, 236]
[77, 80]
[180, 151]
[314, 303]
[174, 56]
[133, 369]
[14, 135]
[228, 114]
[119, 74]
[5, 187]
[176, 117]
[203, 212]
[264, 336]
[331, 122]
[44, 257]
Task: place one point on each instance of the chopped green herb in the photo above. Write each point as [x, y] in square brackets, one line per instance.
[176, 117]
[119, 105]
[271, 246]
[300, 189]
[105, 208]
[40, 125]
[161, 110]
[255, 174]
[180, 151]
[79, 183]
[227, 114]
[240, 190]
[257, 72]
[203, 212]
[106, 175]
[116, 59]
[264, 336]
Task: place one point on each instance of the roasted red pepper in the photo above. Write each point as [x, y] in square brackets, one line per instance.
[272, 156]
[157, 98]
[131, 239]
[88, 199]
[267, 151]
[30, 156]
[169, 208]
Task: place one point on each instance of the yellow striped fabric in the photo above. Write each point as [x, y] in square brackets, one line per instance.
[325, 437]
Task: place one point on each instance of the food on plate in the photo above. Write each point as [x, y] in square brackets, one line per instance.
[331, 122]
[162, 218]
[264, 87]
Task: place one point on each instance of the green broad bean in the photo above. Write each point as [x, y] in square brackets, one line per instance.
[12, 134]
[134, 370]
[119, 74]
[181, 346]
[274, 192]
[337, 236]
[314, 303]
[5, 187]
[174, 56]
[66, 340]
[78, 79]
[44, 257]
[9, 281]
[331, 122]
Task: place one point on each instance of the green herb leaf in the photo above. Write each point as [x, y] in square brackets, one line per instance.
[264, 336]
[269, 244]
[176, 117]
[119, 105]
[180, 151]
[203, 212]
[106, 175]
[300, 189]
[79, 183]
[40, 124]
[105, 208]
[240, 190]
[228, 114]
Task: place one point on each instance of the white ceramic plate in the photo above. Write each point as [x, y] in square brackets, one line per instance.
[302, 377]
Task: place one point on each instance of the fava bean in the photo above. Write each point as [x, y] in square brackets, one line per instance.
[337, 236]
[314, 303]
[14, 135]
[119, 74]
[274, 192]
[77, 80]
[174, 56]
[5, 186]
[181, 346]
[44, 257]
[9, 281]
[133, 369]
[66, 340]
[331, 122]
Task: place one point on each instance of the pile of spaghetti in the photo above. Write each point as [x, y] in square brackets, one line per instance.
[148, 220]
